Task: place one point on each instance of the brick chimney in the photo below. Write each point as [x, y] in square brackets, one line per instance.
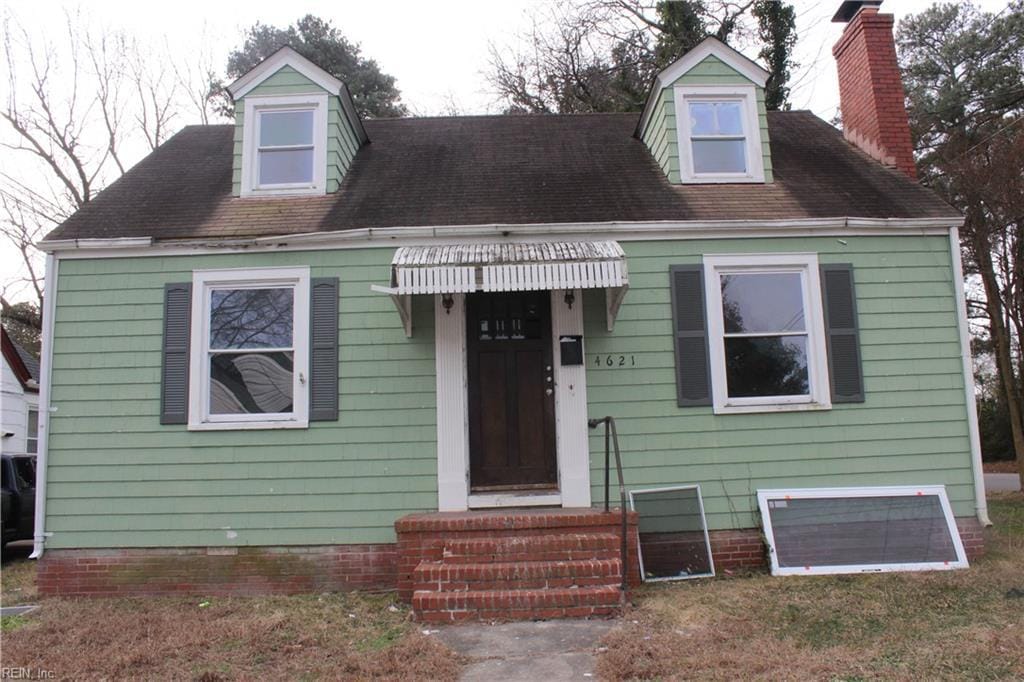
[870, 88]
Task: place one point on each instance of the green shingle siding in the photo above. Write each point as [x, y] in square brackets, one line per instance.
[661, 135]
[342, 142]
[119, 478]
[911, 429]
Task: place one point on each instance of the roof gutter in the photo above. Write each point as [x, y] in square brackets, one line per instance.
[45, 372]
[409, 235]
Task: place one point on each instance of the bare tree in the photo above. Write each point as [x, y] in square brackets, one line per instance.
[81, 107]
[601, 55]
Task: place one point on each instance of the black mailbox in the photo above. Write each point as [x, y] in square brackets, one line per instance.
[572, 349]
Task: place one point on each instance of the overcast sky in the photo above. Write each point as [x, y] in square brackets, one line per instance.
[437, 51]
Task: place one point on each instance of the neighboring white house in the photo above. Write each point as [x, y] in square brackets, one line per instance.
[19, 403]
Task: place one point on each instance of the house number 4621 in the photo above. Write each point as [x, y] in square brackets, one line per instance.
[615, 361]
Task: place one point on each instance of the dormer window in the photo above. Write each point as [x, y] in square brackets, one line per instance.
[719, 134]
[285, 145]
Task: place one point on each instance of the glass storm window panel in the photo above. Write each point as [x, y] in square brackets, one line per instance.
[286, 128]
[763, 302]
[766, 366]
[251, 383]
[829, 532]
[251, 318]
[719, 156]
[673, 533]
[285, 166]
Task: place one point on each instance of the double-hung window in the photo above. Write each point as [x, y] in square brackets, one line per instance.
[250, 348]
[766, 333]
[719, 134]
[284, 145]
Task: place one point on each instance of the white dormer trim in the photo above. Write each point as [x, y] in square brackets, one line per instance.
[746, 96]
[710, 46]
[285, 56]
[250, 143]
[713, 47]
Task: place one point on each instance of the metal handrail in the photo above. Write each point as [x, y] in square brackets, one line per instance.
[611, 437]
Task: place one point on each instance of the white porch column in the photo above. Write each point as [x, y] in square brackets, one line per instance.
[452, 405]
[570, 406]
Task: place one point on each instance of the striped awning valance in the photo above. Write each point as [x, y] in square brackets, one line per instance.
[466, 268]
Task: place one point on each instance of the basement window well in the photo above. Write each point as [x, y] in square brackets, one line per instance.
[860, 530]
[674, 541]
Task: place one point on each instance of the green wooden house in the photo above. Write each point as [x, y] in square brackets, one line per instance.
[311, 351]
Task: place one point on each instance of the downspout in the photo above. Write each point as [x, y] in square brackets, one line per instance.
[980, 502]
[45, 373]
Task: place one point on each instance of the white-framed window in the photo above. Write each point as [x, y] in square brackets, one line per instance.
[284, 145]
[32, 431]
[766, 333]
[719, 134]
[249, 361]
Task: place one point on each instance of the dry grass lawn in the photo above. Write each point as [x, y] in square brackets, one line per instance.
[895, 626]
[1006, 466]
[335, 636]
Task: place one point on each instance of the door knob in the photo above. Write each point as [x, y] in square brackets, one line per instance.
[548, 391]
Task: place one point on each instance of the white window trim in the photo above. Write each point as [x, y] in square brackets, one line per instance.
[746, 95]
[250, 144]
[205, 281]
[817, 359]
[763, 497]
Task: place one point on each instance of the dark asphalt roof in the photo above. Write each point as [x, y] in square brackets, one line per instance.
[496, 169]
[30, 361]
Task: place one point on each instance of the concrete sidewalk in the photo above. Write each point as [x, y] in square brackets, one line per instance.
[1002, 483]
[543, 651]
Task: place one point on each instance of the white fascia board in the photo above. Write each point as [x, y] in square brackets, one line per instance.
[286, 56]
[710, 46]
[623, 231]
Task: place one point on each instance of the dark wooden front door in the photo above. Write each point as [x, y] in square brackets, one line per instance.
[511, 390]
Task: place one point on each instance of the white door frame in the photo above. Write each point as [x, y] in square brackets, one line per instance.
[571, 431]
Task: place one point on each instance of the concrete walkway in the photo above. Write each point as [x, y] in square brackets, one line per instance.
[544, 651]
[1002, 483]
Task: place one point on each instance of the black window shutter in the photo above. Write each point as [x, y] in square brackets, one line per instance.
[177, 334]
[689, 323]
[846, 374]
[323, 344]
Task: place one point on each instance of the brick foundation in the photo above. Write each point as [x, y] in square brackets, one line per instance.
[217, 571]
[222, 571]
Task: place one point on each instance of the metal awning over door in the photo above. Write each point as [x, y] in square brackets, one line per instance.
[465, 268]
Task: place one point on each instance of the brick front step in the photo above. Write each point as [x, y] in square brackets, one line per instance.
[447, 577]
[510, 520]
[551, 547]
[441, 607]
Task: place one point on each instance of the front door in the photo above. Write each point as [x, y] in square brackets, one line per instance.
[511, 391]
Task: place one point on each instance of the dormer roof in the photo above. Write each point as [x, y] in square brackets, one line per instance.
[709, 47]
[288, 56]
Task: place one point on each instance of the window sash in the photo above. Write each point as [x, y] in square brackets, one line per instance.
[817, 371]
[204, 285]
[211, 351]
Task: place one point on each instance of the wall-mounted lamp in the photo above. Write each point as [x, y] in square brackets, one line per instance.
[447, 301]
[570, 298]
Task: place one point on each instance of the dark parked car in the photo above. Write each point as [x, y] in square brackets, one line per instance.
[18, 508]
